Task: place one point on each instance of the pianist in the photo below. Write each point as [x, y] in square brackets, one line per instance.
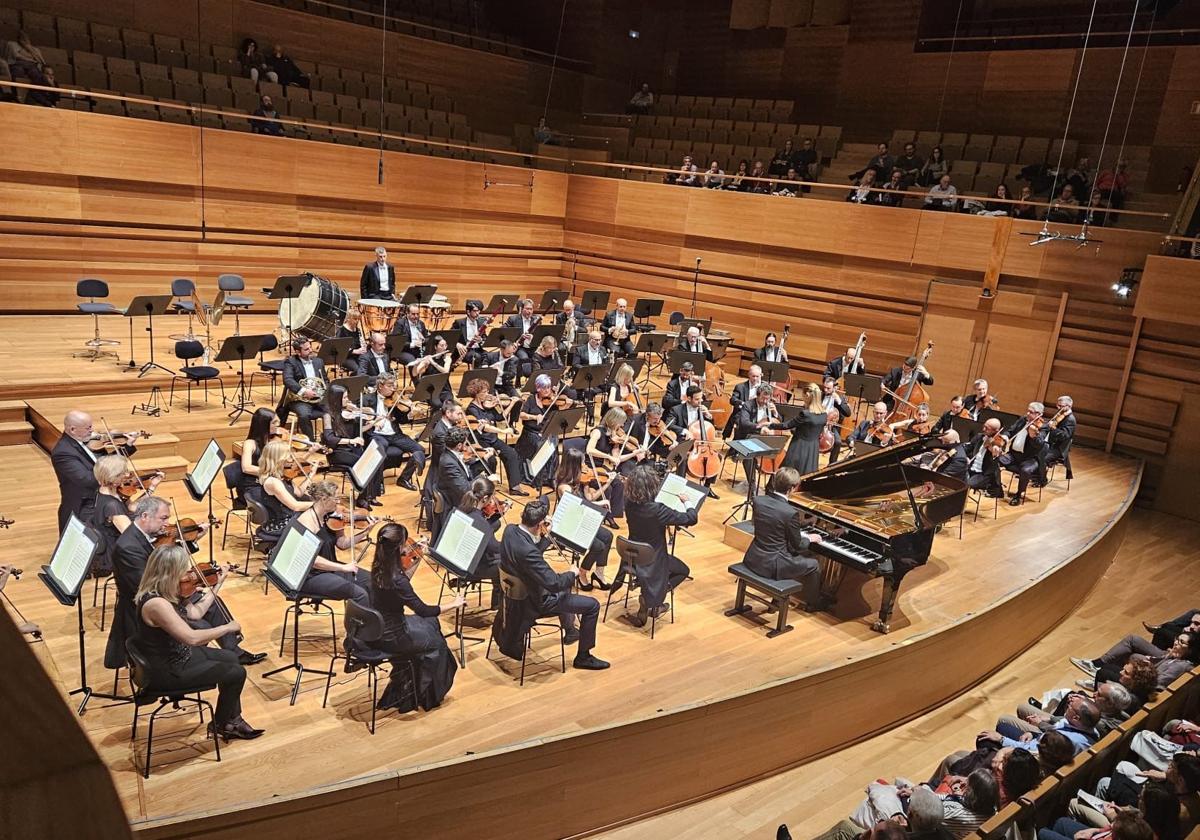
[779, 549]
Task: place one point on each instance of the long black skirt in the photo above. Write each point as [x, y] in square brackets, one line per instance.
[419, 639]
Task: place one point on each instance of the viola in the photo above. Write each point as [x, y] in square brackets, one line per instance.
[341, 517]
[593, 475]
[134, 483]
[560, 401]
[204, 574]
[112, 441]
[185, 529]
[495, 507]
[660, 431]
[411, 554]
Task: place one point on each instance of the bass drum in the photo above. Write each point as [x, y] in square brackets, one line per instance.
[318, 312]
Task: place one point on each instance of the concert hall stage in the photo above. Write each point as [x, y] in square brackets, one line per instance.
[499, 760]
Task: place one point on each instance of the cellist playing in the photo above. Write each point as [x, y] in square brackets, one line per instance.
[694, 423]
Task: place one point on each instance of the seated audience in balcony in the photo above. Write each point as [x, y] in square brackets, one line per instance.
[641, 102]
[267, 121]
[934, 168]
[788, 186]
[1078, 724]
[942, 196]
[738, 181]
[1079, 176]
[24, 60]
[1112, 700]
[784, 160]
[7, 94]
[253, 63]
[1025, 208]
[1094, 214]
[920, 811]
[895, 198]
[759, 171]
[881, 162]
[846, 830]
[1127, 825]
[286, 70]
[685, 176]
[998, 208]
[45, 98]
[965, 806]
[1188, 622]
[1114, 184]
[806, 162]
[1065, 208]
[910, 164]
[861, 193]
[714, 176]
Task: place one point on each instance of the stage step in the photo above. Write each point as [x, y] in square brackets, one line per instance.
[173, 466]
[15, 432]
[13, 410]
[739, 535]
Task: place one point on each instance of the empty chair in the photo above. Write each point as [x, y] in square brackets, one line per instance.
[183, 289]
[92, 288]
[231, 284]
[187, 352]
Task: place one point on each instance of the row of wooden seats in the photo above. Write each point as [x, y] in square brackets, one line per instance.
[724, 107]
[1049, 800]
[1004, 148]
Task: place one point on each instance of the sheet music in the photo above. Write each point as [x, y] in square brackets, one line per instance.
[201, 477]
[294, 556]
[542, 457]
[675, 486]
[72, 556]
[459, 541]
[576, 522]
[366, 465]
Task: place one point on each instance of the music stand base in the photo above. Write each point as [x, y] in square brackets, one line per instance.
[149, 366]
[153, 407]
[300, 672]
[88, 694]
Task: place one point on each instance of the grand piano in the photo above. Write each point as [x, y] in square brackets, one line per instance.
[877, 513]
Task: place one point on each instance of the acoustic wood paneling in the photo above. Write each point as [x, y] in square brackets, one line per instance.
[1168, 290]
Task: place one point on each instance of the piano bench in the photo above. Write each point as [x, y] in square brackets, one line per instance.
[773, 593]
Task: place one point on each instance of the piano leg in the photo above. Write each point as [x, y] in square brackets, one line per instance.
[891, 586]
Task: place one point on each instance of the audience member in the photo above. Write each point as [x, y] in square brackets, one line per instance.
[738, 180]
[965, 806]
[1127, 825]
[1113, 185]
[806, 162]
[1078, 724]
[784, 160]
[1025, 208]
[910, 165]
[685, 176]
[942, 196]
[24, 60]
[1094, 214]
[253, 63]
[641, 102]
[846, 830]
[919, 812]
[759, 171]
[1165, 633]
[862, 193]
[895, 198]
[266, 118]
[1169, 664]
[45, 98]
[1079, 176]
[714, 176]
[286, 70]
[7, 94]
[999, 208]
[788, 186]
[1112, 700]
[882, 162]
[934, 168]
[543, 134]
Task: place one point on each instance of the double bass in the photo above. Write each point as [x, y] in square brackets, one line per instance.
[846, 426]
[912, 394]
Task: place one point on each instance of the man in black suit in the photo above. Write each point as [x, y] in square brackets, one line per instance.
[451, 416]
[378, 280]
[616, 321]
[569, 316]
[677, 388]
[898, 378]
[983, 464]
[752, 418]
[525, 321]
[303, 365]
[944, 422]
[454, 476]
[73, 464]
[742, 393]
[848, 363]
[867, 430]
[981, 399]
[834, 401]
[504, 360]
[779, 548]
[695, 342]
[398, 447]
[521, 555]
[1058, 443]
[375, 361]
[1024, 448]
[470, 327]
[414, 334]
[687, 413]
[958, 464]
[643, 437]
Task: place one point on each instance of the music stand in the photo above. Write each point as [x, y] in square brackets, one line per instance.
[240, 347]
[787, 413]
[555, 375]
[649, 343]
[646, 308]
[503, 304]
[594, 300]
[418, 295]
[353, 384]
[685, 324]
[753, 448]
[427, 386]
[286, 289]
[676, 358]
[334, 351]
[589, 377]
[635, 364]
[774, 371]
[497, 334]
[678, 454]
[458, 549]
[287, 567]
[542, 330]
[552, 300]
[396, 344]
[148, 305]
[560, 422]
[1006, 418]
[64, 576]
[861, 447]
[453, 336]
[863, 386]
[488, 375]
[199, 482]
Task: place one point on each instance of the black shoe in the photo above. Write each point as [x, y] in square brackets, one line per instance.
[406, 483]
[712, 494]
[1151, 628]
[516, 491]
[819, 605]
[571, 636]
[638, 619]
[602, 585]
[585, 585]
[587, 662]
[1014, 501]
[374, 503]
[1033, 701]
[1038, 482]
[995, 494]
[245, 657]
[782, 833]
[609, 522]
[236, 730]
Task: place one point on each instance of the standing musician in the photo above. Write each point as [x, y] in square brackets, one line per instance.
[350, 329]
[695, 342]
[112, 513]
[151, 518]
[677, 388]
[846, 363]
[525, 321]
[378, 280]
[687, 413]
[398, 446]
[834, 401]
[652, 432]
[346, 428]
[875, 429]
[770, 351]
[375, 360]
[568, 479]
[73, 465]
[487, 513]
[978, 401]
[1025, 441]
[1058, 444]
[454, 474]
[489, 426]
[549, 593]
[897, 379]
[546, 356]
[330, 579]
[947, 418]
[623, 393]
[779, 550]
[804, 449]
[504, 359]
[983, 468]
[177, 650]
[413, 333]
[473, 329]
[648, 522]
[618, 325]
[532, 415]
[957, 465]
[297, 398]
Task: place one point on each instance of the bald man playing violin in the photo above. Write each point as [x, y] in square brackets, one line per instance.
[73, 464]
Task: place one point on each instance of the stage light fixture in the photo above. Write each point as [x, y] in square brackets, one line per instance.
[1128, 283]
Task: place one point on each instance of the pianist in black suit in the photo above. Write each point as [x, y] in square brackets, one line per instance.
[73, 466]
[957, 463]
[375, 361]
[1024, 448]
[648, 522]
[1058, 443]
[414, 333]
[779, 549]
[983, 462]
[296, 368]
[378, 280]
[898, 378]
[848, 363]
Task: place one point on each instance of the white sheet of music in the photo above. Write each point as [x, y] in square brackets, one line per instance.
[576, 522]
[542, 457]
[675, 486]
[72, 556]
[459, 541]
[366, 465]
[292, 560]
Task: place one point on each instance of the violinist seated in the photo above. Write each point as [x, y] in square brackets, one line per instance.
[299, 398]
[979, 401]
[151, 525]
[454, 472]
[946, 420]
[617, 327]
[983, 466]
[694, 423]
[120, 487]
[898, 379]
[955, 464]
[652, 430]
[875, 429]
[413, 333]
[504, 360]
[375, 361]
[648, 523]
[587, 484]
[486, 509]
[330, 579]
[524, 320]
[742, 393]
[1026, 438]
[623, 393]
[177, 650]
[532, 413]
[488, 424]
[779, 550]
[473, 329]
[74, 457]
[283, 485]
[411, 629]
[770, 351]
[677, 388]
[919, 424]
[264, 428]
[346, 428]
[695, 342]
[837, 409]
[1058, 443]
[848, 362]
[350, 329]
[398, 447]
[610, 447]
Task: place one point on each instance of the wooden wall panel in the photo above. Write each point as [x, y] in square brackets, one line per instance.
[1169, 290]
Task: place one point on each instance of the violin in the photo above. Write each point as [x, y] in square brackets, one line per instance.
[341, 517]
[294, 469]
[987, 402]
[185, 529]
[302, 444]
[495, 507]
[1059, 416]
[411, 554]
[400, 399]
[593, 475]
[662, 432]
[201, 575]
[559, 401]
[113, 440]
[135, 483]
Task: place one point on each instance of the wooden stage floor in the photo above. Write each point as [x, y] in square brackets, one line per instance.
[702, 657]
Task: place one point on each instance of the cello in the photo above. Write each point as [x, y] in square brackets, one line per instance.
[703, 462]
[912, 394]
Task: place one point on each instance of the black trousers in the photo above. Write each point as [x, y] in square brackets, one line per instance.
[1165, 635]
[597, 554]
[585, 610]
[987, 481]
[339, 586]
[206, 665]
[514, 473]
[1024, 465]
[215, 618]
[305, 414]
[397, 446]
[622, 348]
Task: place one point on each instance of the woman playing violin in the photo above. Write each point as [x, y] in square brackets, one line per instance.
[486, 510]
[532, 414]
[411, 629]
[330, 578]
[345, 430]
[609, 445]
[488, 426]
[569, 479]
[280, 496]
[264, 427]
[623, 393]
[114, 506]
